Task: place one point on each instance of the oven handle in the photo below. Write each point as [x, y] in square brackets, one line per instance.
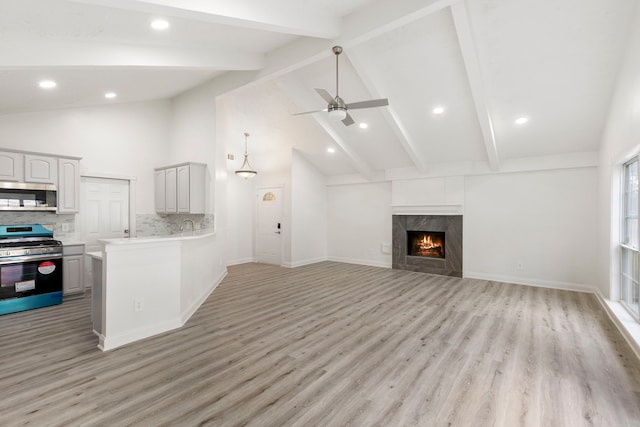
[27, 258]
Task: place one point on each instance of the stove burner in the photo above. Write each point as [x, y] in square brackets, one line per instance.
[27, 240]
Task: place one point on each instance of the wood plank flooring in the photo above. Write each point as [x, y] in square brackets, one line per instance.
[331, 344]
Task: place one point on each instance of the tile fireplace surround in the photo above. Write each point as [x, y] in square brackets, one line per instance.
[451, 225]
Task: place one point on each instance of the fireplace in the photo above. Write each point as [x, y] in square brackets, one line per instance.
[428, 244]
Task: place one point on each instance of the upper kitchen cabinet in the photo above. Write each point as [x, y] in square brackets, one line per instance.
[11, 166]
[171, 190]
[68, 185]
[181, 189]
[160, 195]
[29, 167]
[40, 169]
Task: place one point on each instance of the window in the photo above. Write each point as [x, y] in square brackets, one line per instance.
[630, 271]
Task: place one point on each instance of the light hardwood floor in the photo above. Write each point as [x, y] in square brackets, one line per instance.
[331, 345]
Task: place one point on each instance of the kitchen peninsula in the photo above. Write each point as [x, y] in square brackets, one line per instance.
[150, 285]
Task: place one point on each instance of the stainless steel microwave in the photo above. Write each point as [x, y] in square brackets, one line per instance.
[24, 196]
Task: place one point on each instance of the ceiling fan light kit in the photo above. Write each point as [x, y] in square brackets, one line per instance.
[337, 108]
[337, 114]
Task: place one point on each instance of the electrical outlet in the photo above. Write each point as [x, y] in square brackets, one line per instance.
[65, 226]
[137, 305]
[519, 265]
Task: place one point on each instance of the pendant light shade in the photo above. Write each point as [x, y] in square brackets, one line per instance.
[246, 171]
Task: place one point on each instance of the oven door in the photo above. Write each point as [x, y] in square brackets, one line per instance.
[30, 282]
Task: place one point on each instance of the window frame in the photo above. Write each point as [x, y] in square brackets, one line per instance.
[629, 285]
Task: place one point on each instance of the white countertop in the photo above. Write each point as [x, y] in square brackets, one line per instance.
[96, 255]
[69, 242]
[198, 234]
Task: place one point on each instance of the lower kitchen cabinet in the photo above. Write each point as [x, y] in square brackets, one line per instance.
[72, 269]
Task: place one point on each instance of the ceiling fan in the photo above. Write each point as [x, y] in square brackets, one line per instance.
[337, 108]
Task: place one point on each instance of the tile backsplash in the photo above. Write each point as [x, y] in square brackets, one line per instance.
[146, 224]
[160, 225]
[46, 218]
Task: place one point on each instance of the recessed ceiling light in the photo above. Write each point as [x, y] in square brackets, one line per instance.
[438, 110]
[363, 125]
[521, 120]
[331, 150]
[47, 84]
[159, 24]
[110, 95]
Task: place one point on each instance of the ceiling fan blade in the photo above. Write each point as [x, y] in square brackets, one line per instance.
[326, 96]
[309, 112]
[348, 121]
[368, 104]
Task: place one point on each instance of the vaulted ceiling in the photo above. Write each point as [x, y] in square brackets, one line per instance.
[486, 63]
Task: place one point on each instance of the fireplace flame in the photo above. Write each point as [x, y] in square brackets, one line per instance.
[427, 244]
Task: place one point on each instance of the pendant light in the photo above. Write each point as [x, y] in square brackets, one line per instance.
[246, 171]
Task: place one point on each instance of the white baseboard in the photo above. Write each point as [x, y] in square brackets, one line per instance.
[627, 325]
[361, 262]
[553, 284]
[197, 303]
[115, 341]
[303, 262]
[240, 261]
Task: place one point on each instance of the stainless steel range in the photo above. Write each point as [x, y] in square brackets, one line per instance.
[30, 268]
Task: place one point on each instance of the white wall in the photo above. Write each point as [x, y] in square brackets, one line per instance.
[546, 221]
[240, 224]
[359, 223]
[193, 134]
[194, 138]
[125, 139]
[621, 140]
[308, 212]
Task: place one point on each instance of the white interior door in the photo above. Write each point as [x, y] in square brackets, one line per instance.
[269, 226]
[104, 213]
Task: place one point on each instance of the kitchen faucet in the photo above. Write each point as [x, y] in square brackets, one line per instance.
[193, 226]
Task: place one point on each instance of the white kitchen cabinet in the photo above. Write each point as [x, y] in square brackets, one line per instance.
[11, 166]
[171, 190]
[72, 269]
[68, 185]
[184, 189]
[160, 194]
[41, 169]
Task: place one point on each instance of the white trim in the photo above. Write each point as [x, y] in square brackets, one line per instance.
[107, 175]
[303, 263]
[111, 342]
[241, 261]
[370, 263]
[190, 311]
[626, 324]
[426, 209]
[540, 283]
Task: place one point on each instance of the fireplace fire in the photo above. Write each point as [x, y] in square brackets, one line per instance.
[428, 244]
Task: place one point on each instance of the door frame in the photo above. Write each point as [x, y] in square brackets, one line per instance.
[255, 222]
[132, 193]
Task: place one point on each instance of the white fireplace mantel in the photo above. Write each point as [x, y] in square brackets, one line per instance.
[426, 209]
